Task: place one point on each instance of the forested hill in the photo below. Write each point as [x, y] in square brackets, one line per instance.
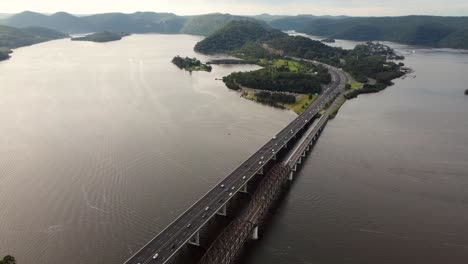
[448, 32]
[205, 25]
[11, 38]
[254, 40]
[235, 35]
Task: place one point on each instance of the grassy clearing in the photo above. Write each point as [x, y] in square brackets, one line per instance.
[356, 85]
[249, 95]
[302, 102]
[293, 66]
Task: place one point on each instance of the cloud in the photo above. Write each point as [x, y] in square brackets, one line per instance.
[247, 7]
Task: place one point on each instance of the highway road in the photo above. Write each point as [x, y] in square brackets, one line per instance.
[165, 245]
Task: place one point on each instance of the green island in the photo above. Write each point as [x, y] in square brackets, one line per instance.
[102, 37]
[191, 64]
[328, 40]
[11, 38]
[289, 63]
[8, 260]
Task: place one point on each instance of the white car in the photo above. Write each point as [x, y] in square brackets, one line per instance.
[156, 256]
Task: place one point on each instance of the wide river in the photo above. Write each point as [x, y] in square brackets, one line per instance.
[103, 145]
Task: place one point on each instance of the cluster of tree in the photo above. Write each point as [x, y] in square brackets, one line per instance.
[8, 260]
[374, 48]
[101, 37]
[366, 89]
[319, 71]
[302, 47]
[274, 99]
[271, 80]
[370, 60]
[190, 64]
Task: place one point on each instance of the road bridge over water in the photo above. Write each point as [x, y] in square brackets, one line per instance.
[296, 136]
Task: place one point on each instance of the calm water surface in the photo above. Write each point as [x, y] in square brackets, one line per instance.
[388, 179]
[103, 145]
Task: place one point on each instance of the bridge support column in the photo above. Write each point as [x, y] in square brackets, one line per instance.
[195, 240]
[299, 161]
[303, 154]
[294, 168]
[260, 172]
[254, 235]
[274, 157]
[244, 189]
[223, 210]
[291, 176]
[308, 147]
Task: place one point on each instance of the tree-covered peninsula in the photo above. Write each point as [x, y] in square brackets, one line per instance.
[101, 37]
[288, 60]
[191, 64]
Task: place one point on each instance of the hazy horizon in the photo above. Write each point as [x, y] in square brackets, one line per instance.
[244, 7]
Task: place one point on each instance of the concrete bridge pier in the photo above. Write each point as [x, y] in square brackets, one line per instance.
[223, 210]
[195, 240]
[291, 176]
[244, 189]
[260, 172]
[254, 235]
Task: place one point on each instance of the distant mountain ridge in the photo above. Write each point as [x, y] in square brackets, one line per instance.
[447, 32]
[444, 32]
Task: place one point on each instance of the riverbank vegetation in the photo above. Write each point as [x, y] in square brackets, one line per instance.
[8, 260]
[190, 64]
[335, 111]
[101, 37]
[271, 80]
[296, 103]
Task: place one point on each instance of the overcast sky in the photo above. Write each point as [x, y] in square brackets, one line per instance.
[246, 7]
